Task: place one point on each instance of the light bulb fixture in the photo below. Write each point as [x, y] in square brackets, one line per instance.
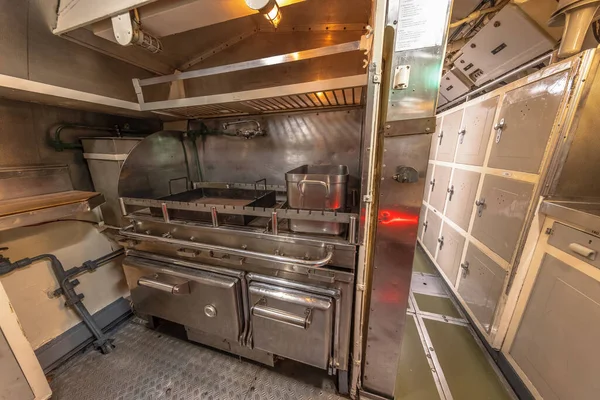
[269, 8]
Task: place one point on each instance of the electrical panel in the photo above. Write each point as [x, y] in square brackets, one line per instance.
[509, 40]
[454, 85]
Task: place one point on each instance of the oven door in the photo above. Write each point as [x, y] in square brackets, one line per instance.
[292, 323]
[202, 300]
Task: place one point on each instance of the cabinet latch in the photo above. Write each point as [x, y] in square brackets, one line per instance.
[499, 127]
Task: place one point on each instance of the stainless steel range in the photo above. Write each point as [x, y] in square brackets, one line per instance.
[234, 263]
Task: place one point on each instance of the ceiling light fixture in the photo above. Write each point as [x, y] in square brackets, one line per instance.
[269, 8]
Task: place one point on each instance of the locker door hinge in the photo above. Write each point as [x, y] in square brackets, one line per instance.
[367, 198]
[360, 287]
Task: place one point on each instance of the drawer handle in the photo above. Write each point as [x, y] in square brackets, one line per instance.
[583, 251]
[282, 316]
[154, 283]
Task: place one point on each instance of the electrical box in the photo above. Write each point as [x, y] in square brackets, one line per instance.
[441, 100]
[509, 40]
[454, 84]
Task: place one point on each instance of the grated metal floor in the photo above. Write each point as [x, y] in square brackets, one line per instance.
[150, 365]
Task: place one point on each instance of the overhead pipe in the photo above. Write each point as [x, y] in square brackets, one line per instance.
[59, 145]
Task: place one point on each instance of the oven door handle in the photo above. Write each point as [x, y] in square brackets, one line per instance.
[284, 317]
[154, 283]
[231, 251]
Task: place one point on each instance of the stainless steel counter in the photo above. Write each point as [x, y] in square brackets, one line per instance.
[583, 214]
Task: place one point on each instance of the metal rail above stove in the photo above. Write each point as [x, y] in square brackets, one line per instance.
[275, 214]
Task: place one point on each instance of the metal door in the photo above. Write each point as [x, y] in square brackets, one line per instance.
[435, 139]
[13, 384]
[474, 136]
[428, 182]
[394, 251]
[448, 136]
[431, 231]
[461, 197]
[439, 187]
[556, 342]
[480, 285]
[525, 122]
[198, 299]
[451, 246]
[292, 323]
[501, 211]
[422, 219]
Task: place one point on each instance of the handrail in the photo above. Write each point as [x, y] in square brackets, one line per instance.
[232, 251]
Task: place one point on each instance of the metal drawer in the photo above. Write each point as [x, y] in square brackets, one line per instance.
[576, 243]
[198, 299]
[292, 323]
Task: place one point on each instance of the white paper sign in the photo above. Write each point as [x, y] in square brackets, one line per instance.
[421, 23]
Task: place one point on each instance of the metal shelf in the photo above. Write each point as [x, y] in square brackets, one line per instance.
[319, 94]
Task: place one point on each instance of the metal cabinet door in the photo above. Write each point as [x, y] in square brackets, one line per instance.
[556, 342]
[439, 187]
[435, 139]
[449, 136]
[525, 122]
[428, 182]
[292, 323]
[201, 300]
[480, 285]
[474, 136]
[461, 197]
[431, 231]
[450, 251]
[422, 219]
[501, 214]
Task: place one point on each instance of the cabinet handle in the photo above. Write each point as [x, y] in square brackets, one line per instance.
[498, 128]
[284, 317]
[432, 183]
[441, 241]
[425, 226]
[465, 269]
[450, 192]
[441, 135]
[480, 206]
[461, 135]
[154, 283]
[583, 251]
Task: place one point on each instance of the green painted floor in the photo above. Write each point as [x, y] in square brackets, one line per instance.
[466, 372]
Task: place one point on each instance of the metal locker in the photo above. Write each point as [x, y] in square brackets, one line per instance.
[431, 231]
[480, 285]
[501, 210]
[461, 197]
[474, 135]
[422, 219]
[435, 138]
[556, 342]
[439, 187]
[448, 136]
[451, 246]
[524, 124]
[428, 182]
